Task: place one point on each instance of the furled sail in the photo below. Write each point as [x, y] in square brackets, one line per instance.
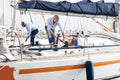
[82, 7]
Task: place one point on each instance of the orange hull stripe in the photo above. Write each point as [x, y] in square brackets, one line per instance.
[62, 68]
[51, 69]
[106, 63]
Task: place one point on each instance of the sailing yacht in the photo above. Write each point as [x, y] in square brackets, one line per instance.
[95, 57]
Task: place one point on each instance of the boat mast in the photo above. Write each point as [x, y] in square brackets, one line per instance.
[2, 17]
[3, 12]
[14, 16]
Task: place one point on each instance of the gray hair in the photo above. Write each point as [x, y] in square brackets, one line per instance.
[56, 16]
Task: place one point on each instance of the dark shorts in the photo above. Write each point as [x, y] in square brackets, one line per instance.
[51, 40]
[33, 33]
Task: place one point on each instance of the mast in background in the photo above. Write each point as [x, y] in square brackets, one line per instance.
[2, 12]
[14, 16]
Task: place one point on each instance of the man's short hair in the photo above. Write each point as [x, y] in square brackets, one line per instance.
[56, 16]
[23, 23]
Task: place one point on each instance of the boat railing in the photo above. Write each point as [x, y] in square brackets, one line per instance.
[16, 35]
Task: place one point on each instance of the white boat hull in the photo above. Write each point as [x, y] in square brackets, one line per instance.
[65, 68]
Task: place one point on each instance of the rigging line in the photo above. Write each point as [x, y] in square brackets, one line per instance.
[11, 12]
[73, 25]
[30, 17]
[65, 23]
[80, 24]
[69, 25]
[105, 27]
[111, 24]
[43, 17]
[61, 6]
[86, 50]
[81, 30]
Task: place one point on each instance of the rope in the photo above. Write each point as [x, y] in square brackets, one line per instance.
[87, 49]
[61, 6]
[30, 17]
[86, 44]
[43, 17]
[106, 28]
[65, 23]
[80, 8]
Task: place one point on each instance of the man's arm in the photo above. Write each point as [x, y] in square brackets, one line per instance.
[63, 35]
[61, 31]
[28, 28]
[26, 38]
[52, 33]
[49, 25]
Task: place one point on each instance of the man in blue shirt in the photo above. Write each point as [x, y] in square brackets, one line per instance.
[52, 22]
[32, 31]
